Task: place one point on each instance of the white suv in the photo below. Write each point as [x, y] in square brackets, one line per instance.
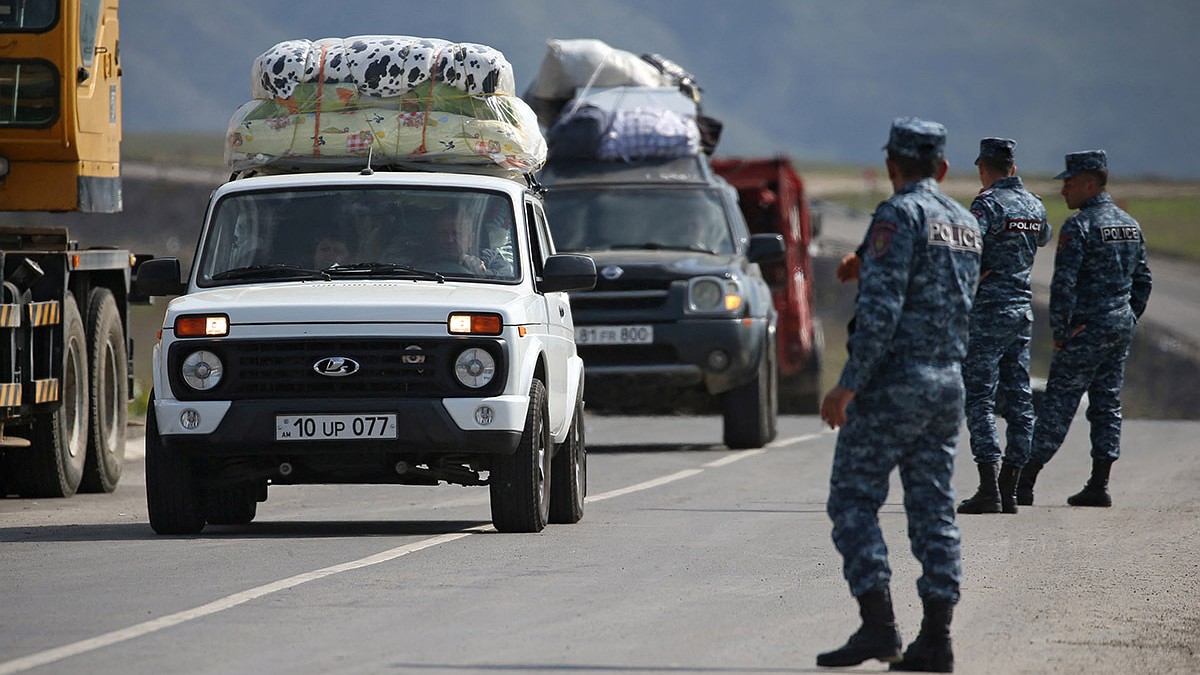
[373, 327]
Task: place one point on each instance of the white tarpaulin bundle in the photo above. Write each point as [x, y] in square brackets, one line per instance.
[570, 64]
[402, 100]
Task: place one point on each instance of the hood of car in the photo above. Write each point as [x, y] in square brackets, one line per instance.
[616, 270]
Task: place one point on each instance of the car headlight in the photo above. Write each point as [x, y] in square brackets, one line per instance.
[202, 370]
[712, 294]
[475, 367]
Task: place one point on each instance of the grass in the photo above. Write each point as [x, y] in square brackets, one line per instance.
[1170, 221]
[1169, 211]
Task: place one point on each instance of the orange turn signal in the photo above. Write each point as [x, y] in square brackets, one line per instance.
[202, 326]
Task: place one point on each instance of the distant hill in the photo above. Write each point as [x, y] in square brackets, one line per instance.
[817, 80]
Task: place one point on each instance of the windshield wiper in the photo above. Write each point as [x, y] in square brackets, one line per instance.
[656, 246]
[274, 271]
[389, 269]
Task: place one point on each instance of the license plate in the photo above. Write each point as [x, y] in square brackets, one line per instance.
[614, 335]
[353, 427]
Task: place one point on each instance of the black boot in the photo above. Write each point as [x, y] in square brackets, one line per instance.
[987, 498]
[931, 652]
[1025, 483]
[1095, 493]
[876, 638]
[1007, 483]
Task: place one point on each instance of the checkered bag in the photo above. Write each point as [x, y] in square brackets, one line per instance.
[644, 133]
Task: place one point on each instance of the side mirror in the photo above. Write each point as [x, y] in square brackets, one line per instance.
[766, 247]
[159, 276]
[568, 272]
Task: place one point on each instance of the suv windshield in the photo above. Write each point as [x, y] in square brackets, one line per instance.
[600, 219]
[356, 232]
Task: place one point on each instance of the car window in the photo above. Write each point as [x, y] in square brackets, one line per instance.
[361, 232]
[597, 219]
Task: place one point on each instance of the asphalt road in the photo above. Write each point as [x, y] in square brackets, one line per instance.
[690, 559]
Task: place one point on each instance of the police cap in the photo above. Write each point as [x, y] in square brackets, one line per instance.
[1087, 160]
[916, 138]
[996, 148]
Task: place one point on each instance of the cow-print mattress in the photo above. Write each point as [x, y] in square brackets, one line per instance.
[381, 66]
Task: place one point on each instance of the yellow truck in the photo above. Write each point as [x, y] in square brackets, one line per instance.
[64, 355]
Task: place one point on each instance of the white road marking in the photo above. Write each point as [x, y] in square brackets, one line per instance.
[686, 473]
[154, 625]
[784, 442]
[731, 458]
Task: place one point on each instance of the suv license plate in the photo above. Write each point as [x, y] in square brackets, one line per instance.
[335, 427]
[614, 335]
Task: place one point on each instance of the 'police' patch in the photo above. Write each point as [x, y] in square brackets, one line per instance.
[1116, 234]
[1023, 225]
[882, 233]
[955, 235]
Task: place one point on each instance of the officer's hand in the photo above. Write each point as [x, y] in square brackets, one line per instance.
[847, 269]
[833, 408]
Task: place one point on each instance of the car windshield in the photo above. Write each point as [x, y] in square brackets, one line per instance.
[600, 219]
[356, 232]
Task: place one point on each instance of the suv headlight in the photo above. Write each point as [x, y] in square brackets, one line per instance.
[713, 294]
[202, 370]
[475, 367]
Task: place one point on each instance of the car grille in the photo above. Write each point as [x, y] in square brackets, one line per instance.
[629, 300]
[282, 369]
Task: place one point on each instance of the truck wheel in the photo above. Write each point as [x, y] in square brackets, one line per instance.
[801, 393]
[109, 393]
[520, 483]
[172, 493]
[568, 472]
[235, 505]
[752, 410]
[53, 464]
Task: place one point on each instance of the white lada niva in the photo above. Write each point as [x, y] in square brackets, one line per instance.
[375, 327]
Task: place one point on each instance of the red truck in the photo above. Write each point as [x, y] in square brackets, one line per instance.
[772, 199]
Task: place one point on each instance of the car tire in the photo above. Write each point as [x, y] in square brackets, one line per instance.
[520, 483]
[751, 411]
[108, 393]
[52, 466]
[233, 505]
[568, 471]
[173, 496]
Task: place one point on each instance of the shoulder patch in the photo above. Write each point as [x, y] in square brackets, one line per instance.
[882, 234]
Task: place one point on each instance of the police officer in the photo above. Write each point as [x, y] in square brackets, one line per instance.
[1014, 225]
[899, 401]
[1101, 285]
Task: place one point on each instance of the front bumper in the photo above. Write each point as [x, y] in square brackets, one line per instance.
[441, 426]
[680, 355]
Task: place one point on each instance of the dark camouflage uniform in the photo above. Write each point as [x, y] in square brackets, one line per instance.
[1014, 225]
[1102, 283]
[919, 269]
